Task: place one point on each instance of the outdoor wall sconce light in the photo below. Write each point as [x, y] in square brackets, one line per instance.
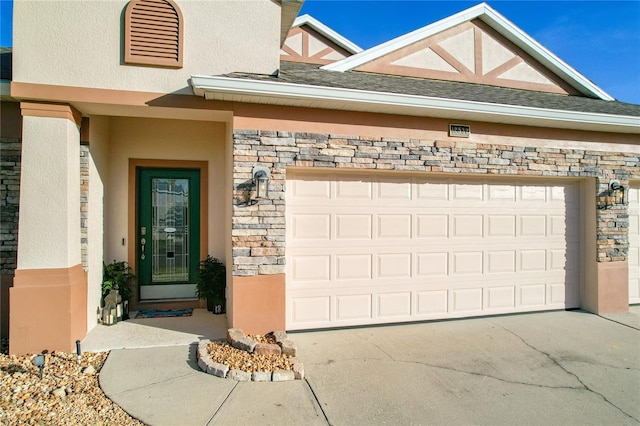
[614, 196]
[261, 182]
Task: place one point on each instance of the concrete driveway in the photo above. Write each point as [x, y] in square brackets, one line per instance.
[544, 368]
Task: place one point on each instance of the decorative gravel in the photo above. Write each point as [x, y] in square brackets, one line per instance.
[236, 359]
[68, 393]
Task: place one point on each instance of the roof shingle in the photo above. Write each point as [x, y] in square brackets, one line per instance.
[311, 74]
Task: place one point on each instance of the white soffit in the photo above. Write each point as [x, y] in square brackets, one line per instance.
[308, 96]
[499, 23]
[327, 32]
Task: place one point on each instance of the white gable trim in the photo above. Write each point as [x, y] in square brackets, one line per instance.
[499, 23]
[327, 32]
[276, 93]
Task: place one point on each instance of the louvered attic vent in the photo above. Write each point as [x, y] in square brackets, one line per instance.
[153, 33]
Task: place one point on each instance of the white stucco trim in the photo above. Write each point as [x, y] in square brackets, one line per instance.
[327, 32]
[499, 23]
[210, 87]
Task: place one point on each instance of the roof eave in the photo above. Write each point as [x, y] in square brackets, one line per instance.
[214, 87]
[321, 28]
[289, 9]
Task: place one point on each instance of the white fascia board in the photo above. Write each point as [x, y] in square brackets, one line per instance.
[327, 32]
[498, 22]
[203, 84]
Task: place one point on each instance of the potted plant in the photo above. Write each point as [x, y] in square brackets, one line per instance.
[117, 275]
[211, 284]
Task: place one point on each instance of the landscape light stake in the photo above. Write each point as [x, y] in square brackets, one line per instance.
[38, 361]
[78, 351]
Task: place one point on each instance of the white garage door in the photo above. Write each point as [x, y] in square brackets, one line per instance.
[368, 250]
[634, 243]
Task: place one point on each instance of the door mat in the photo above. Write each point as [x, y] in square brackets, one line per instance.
[164, 314]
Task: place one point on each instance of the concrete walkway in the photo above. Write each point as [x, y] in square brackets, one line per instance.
[544, 368]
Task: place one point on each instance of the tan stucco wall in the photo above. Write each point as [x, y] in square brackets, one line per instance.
[78, 43]
[98, 170]
[309, 120]
[49, 222]
[162, 140]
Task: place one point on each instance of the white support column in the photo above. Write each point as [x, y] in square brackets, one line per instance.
[49, 221]
[48, 300]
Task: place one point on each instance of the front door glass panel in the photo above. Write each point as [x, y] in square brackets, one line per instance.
[170, 231]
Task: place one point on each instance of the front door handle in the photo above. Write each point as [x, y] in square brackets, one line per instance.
[143, 243]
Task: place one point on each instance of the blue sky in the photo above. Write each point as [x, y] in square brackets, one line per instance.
[600, 39]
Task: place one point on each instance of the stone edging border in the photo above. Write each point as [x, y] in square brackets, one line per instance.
[237, 339]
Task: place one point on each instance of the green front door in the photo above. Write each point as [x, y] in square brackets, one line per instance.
[168, 234]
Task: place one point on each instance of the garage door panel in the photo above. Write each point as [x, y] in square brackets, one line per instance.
[500, 297]
[464, 191]
[311, 309]
[501, 225]
[311, 268]
[467, 299]
[532, 225]
[311, 226]
[533, 193]
[354, 189]
[393, 265]
[407, 249]
[432, 264]
[556, 293]
[501, 261]
[533, 260]
[394, 304]
[532, 295]
[467, 262]
[432, 303]
[395, 190]
[432, 225]
[353, 226]
[433, 190]
[501, 193]
[393, 226]
[354, 266]
[466, 225]
[353, 307]
[313, 187]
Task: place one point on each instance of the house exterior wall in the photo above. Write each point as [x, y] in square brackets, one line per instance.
[63, 52]
[258, 233]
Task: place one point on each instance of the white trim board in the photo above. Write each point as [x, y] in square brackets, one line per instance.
[327, 32]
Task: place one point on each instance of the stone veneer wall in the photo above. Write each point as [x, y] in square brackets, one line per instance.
[258, 230]
[84, 204]
[10, 155]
